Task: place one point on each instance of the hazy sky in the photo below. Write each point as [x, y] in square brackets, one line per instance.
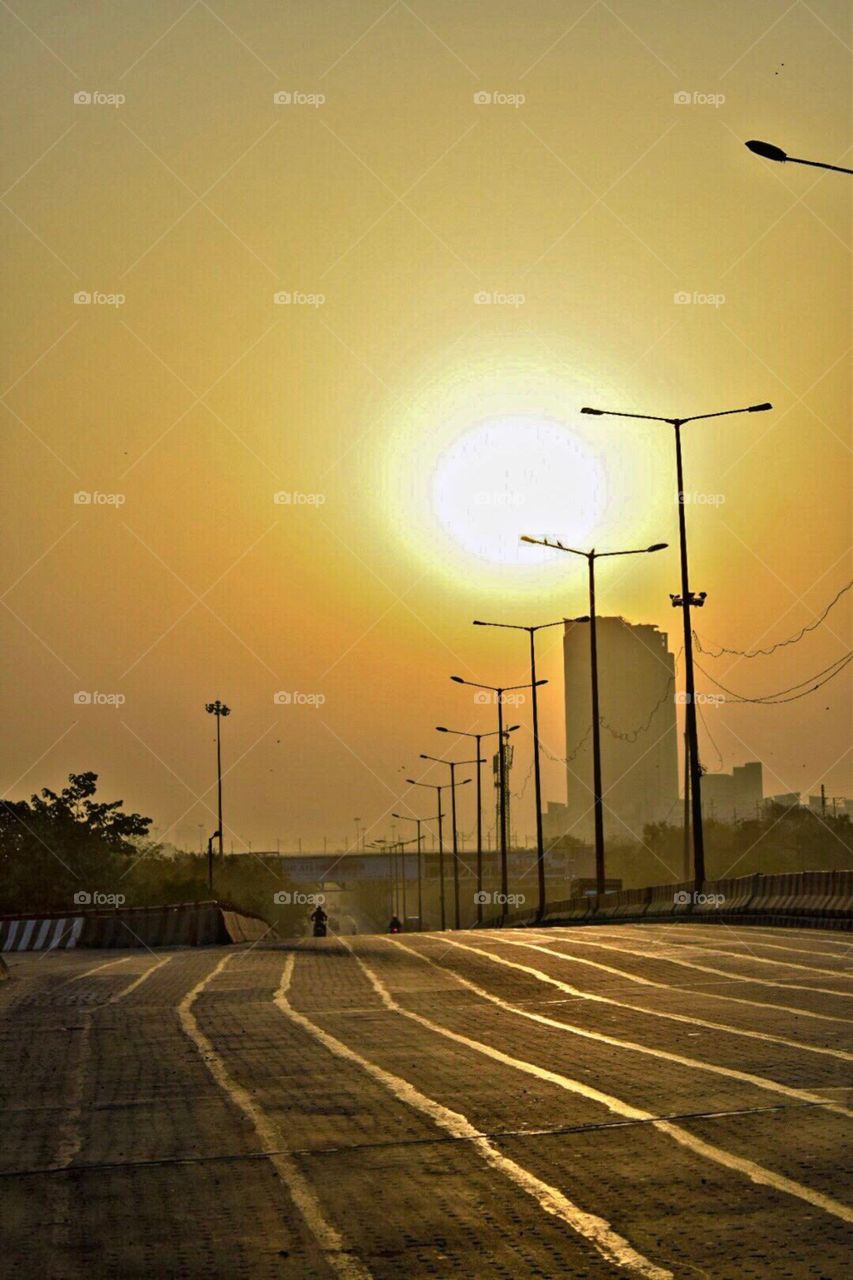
[384, 201]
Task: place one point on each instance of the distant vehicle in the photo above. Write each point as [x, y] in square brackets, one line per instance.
[394, 925]
[319, 918]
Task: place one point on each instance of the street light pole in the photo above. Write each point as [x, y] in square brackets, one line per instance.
[685, 601]
[768, 151]
[438, 790]
[478, 738]
[210, 860]
[503, 736]
[537, 769]
[219, 710]
[407, 818]
[455, 842]
[597, 786]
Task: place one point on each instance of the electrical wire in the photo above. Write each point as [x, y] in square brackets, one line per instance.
[775, 699]
[755, 653]
[636, 733]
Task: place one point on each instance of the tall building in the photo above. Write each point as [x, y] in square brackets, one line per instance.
[639, 749]
[730, 797]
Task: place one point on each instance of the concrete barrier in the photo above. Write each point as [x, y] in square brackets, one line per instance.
[186, 924]
[820, 898]
[39, 933]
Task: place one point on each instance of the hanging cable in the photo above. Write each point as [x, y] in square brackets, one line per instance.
[774, 699]
[635, 733]
[755, 653]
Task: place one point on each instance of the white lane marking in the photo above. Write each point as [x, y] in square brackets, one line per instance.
[665, 986]
[828, 937]
[703, 968]
[137, 982]
[705, 933]
[613, 1247]
[653, 1013]
[71, 1130]
[665, 1055]
[755, 1172]
[737, 955]
[108, 964]
[327, 1237]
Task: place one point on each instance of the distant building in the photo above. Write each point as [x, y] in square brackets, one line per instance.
[787, 800]
[735, 796]
[831, 806]
[639, 753]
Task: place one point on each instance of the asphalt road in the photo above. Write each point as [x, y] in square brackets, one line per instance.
[644, 1100]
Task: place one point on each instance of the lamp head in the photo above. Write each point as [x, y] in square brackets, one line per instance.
[767, 150]
[760, 408]
[598, 413]
[658, 546]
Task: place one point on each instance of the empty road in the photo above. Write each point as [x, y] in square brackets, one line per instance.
[630, 1100]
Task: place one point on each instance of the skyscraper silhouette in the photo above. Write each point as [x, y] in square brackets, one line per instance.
[639, 751]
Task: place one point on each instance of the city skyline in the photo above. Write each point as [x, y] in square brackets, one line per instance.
[331, 366]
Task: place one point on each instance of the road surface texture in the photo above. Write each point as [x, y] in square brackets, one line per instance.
[634, 1100]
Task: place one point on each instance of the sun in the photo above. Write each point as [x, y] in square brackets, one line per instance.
[506, 476]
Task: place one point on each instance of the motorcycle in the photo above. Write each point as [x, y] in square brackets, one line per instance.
[319, 929]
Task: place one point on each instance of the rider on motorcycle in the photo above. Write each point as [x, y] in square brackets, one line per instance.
[394, 925]
[319, 918]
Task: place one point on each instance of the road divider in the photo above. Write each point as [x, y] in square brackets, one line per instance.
[185, 924]
[813, 899]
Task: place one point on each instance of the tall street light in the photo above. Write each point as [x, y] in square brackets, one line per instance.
[768, 151]
[537, 774]
[478, 737]
[404, 817]
[219, 710]
[210, 841]
[499, 691]
[684, 602]
[598, 805]
[440, 816]
[453, 785]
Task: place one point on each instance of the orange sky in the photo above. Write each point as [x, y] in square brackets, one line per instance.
[189, 398]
